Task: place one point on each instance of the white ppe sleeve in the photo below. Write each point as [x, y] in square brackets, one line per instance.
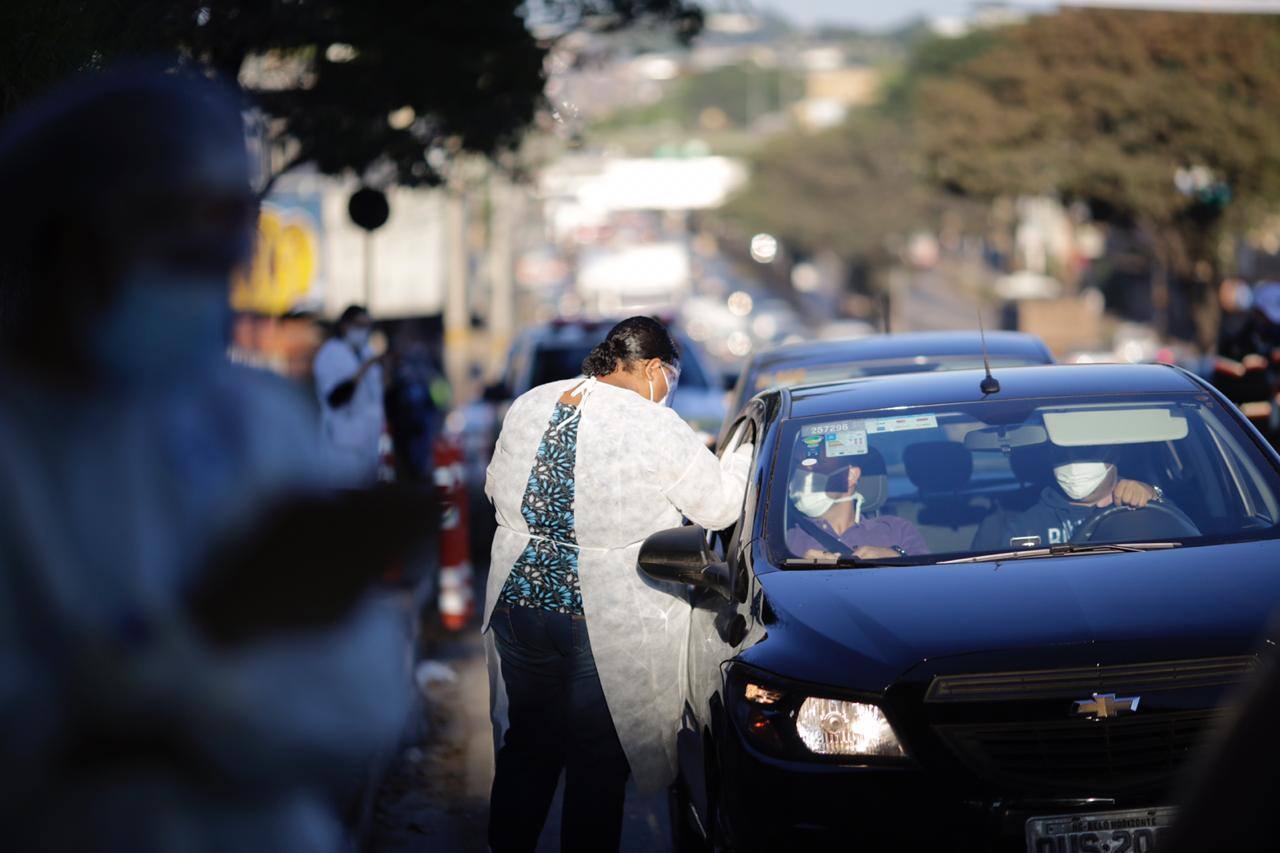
[711, 491]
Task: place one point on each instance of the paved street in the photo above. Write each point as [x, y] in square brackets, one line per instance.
[436, 798]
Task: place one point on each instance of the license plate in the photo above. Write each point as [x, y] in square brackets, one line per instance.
[1135, 831]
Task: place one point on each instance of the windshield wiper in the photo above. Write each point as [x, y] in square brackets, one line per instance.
[844, 562]
[1063, 551]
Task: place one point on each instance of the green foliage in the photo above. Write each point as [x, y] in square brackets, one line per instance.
[854, 189]
[931, 56]
[743, 92]
[1105, 106]
[472, 72]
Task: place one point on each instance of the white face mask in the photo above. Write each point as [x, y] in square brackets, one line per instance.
[672, 376]
[812, 499]
[356, 337]
[1081, 479]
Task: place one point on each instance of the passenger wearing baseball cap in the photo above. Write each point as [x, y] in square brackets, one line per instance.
[835, 501]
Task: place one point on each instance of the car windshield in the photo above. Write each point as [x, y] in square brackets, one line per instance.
[789, 376]
[927, 484]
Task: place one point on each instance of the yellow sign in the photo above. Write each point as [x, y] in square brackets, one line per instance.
[283, 266]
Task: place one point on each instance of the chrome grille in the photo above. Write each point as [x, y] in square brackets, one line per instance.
[1072, 683]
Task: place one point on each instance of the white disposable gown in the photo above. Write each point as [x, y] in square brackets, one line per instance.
[639, 469]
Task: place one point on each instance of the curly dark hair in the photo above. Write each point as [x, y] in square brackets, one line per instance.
[634, 339]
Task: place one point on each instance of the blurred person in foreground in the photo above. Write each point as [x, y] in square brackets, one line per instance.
[584, 650]
[1228, 794]
[348, 377]
[153, 697]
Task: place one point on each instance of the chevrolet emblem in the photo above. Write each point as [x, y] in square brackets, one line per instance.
[1105, 705]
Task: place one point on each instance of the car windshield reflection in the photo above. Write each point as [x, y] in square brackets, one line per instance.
[1039, 477]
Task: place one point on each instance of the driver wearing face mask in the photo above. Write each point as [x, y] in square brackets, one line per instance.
[835, 501]
[348, 378]
[1086, 481]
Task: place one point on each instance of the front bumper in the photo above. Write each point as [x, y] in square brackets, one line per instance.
[775, 804]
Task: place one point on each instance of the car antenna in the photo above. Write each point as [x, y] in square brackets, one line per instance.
[989, 384]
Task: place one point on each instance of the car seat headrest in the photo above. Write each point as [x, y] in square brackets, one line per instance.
[938, 466]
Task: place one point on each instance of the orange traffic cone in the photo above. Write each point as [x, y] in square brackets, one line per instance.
[457, 603]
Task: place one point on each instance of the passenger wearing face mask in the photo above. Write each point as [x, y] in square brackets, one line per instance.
[584, 651]
[348, 378]
[1086, 481]
[836, 501]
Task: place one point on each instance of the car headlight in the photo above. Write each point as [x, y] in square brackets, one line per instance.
[784, 720]
[837, 727]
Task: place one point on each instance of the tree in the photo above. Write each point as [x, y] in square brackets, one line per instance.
[848, 189]
[1108, 107]
[345, 85]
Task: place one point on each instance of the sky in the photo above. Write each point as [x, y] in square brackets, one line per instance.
[885, 14]
[865, 14]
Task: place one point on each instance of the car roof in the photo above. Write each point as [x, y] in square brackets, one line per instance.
[961, 386]
[903, 345]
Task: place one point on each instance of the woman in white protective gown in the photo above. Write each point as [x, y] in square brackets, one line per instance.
[585, 652]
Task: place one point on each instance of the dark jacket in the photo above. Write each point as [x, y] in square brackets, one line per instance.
[1053, 519]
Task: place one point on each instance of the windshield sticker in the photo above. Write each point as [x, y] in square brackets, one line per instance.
[812, 440]
[876, 425]
[848, 443]
[826, 429]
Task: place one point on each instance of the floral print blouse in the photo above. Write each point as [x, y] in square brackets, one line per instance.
[545, 577]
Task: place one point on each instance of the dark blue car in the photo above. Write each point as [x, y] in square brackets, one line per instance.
[879, 355]
[1008, 629]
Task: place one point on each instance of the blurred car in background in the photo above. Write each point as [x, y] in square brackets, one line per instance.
[880, 355]
[557, 349]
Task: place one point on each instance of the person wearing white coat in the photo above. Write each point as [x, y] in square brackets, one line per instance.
[585, 652]
[348, 379]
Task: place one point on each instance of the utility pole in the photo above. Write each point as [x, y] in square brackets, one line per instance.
[504, 199]
[457, 314]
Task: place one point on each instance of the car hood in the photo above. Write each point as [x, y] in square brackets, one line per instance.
[863, 628]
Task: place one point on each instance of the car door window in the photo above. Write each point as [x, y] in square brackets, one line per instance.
[742, 432]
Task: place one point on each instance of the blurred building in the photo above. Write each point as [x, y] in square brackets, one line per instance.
[830, 93]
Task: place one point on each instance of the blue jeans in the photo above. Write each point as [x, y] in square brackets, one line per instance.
[558, 721]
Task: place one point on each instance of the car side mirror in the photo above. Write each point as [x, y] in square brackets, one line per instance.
[682, 555]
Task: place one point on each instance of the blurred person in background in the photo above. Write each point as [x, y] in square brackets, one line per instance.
[348, 378]
[151, 697]
[1248, 350]
[417, 398]
[584, 651]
